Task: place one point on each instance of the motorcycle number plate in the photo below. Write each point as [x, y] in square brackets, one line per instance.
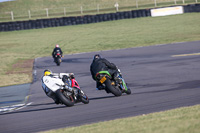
[103, 80]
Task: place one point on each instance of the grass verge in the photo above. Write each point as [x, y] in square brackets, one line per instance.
[181, 120]
[29, 44]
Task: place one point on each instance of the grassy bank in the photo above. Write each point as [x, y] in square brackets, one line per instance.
[18, 47]
[182, 120]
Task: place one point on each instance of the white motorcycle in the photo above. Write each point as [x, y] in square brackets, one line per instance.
[67, 93]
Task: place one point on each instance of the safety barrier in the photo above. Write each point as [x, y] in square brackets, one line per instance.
[192, 8]
[65, 21]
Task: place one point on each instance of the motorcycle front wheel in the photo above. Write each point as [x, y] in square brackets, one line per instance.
[128, 92]
[84, 99]
[65, 99]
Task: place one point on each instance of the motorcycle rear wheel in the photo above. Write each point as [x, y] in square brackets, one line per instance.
[58, 61]
[67, 100]
[112, 89]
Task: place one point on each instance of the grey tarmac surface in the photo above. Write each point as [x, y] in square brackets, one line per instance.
[13, 95]
[158, 82]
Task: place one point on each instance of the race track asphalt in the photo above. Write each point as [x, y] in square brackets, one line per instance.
[159, 81]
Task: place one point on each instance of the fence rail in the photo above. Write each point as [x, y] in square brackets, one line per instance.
[89, 10]
[85, 19]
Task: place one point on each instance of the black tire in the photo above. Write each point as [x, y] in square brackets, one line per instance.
[128, 92]
[68, 101]
[112, 89]
[58, 61]
[58, 64]
[84, 99]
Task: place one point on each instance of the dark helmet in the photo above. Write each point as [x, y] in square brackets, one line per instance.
[65, 78]
[96, 56]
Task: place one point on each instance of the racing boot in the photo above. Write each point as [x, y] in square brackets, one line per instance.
[56, 101]
[52, 95]
[99, 86]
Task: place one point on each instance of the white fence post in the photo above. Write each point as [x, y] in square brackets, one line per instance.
[196, 1]
[175, 2]
[137, 3]
[81, 10]
[155, 3]
[29, 14]
[47, 12]
[98, 8]
[64, 11]
[116, 6]
[12, 15]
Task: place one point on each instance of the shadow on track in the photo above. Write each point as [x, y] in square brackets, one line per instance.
[107, 97]
[97, 98]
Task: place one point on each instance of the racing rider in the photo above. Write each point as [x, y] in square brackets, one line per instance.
[63, 76]
[101, 64]
[56, 50]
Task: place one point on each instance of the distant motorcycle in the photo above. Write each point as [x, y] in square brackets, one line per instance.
[68, 93]
[58, 59]
[110, 85]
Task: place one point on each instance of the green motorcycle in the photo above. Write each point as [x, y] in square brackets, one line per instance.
[112, 86]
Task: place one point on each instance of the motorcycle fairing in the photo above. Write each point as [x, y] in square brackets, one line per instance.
[123, 83]
[53, 83]
[103, 72]
[75, 83]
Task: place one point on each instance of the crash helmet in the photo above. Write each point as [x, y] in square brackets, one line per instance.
[65, 78]
[47, 72]
[57, 46]
[97, 56]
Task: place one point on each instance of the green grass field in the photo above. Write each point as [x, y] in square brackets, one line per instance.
[182, 120]
[19, 46]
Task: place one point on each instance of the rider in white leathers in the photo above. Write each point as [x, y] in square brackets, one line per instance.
[62, 76]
